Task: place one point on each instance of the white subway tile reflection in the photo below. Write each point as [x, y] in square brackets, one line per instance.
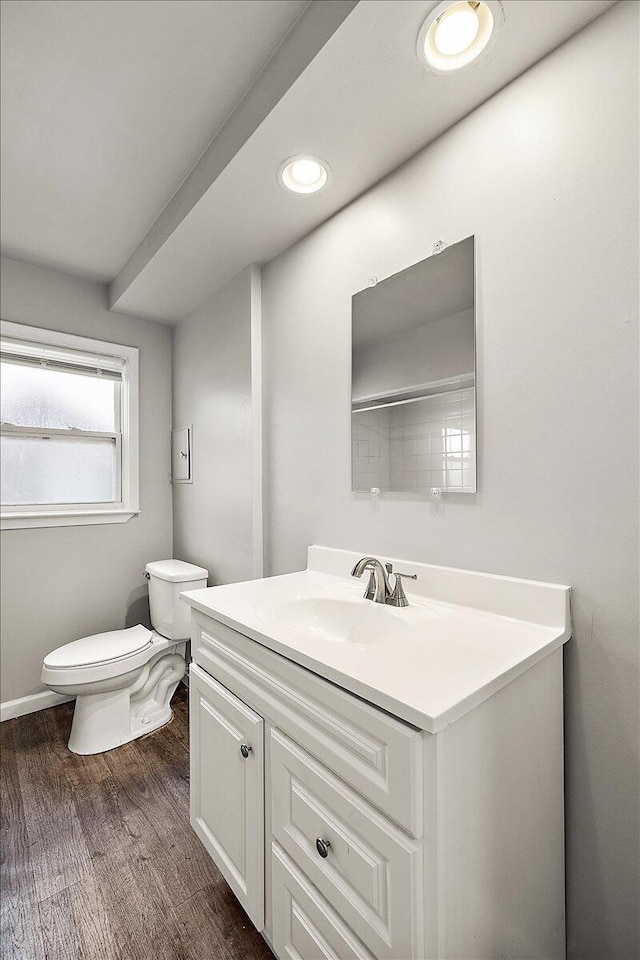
[417, 445]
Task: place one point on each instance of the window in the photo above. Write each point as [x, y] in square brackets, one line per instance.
[69, 434]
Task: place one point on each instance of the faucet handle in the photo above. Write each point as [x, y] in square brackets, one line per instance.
[398, 597]
[409, 576]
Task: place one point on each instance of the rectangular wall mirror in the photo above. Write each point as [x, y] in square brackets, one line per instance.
[413, 392]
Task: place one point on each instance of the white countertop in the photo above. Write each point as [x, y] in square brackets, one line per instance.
[464, 636]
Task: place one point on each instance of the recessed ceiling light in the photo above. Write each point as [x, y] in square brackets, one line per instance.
[303, 174]
[455, 33]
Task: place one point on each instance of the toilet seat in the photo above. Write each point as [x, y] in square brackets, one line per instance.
[100, 648]
[102, 656]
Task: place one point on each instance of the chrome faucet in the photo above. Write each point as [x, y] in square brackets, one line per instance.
[379, 587]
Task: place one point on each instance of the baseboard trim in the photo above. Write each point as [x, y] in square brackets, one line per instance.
[11, 709]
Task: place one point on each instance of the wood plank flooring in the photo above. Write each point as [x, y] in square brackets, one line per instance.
[98, 859]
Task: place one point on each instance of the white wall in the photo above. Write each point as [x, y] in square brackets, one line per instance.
[212, 390]
[545, 175]
[61, 583]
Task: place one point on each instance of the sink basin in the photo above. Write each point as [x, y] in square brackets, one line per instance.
[355, 621]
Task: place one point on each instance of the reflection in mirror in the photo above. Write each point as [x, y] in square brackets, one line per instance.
[413, 404]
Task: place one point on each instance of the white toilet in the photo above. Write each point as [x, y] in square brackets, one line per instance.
[123, 680]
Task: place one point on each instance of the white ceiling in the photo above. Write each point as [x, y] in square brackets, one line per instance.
[109, 104]
[106, 107]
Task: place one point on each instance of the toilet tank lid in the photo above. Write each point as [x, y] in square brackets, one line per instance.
[176, 570]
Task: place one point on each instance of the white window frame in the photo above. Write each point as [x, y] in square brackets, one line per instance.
[73, 514]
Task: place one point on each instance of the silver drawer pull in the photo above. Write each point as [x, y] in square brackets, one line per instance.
[245, 750]
[322, 846]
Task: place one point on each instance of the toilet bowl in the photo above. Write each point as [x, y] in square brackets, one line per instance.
[123, 680]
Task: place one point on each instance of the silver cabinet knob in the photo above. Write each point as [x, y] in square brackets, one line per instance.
[322, 846]
[245, 750]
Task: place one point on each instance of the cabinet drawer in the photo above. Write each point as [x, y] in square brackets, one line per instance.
[304, 925]
[227, 788]
[378, 755]
[372, 872]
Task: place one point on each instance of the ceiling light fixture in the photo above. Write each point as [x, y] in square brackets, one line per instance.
[304, 174]
[457, 32]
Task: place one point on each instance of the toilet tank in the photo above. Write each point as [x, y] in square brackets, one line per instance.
[170, 615]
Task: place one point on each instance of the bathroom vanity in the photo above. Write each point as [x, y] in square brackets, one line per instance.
[379, 782]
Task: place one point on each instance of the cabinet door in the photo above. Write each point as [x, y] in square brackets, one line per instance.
[304, 925]
[368, 870]
[227, 787]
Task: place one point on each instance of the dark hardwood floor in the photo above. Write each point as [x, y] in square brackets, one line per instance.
[98, 859]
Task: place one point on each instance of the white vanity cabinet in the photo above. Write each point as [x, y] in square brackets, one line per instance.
[348, 832]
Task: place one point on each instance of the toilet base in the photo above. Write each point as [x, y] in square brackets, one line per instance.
[89, 735]
[104, 721]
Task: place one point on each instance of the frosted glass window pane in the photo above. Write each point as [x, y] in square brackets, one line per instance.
[37, 397]
[58, 471]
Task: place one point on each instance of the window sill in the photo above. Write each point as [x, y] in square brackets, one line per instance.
[63, 518]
